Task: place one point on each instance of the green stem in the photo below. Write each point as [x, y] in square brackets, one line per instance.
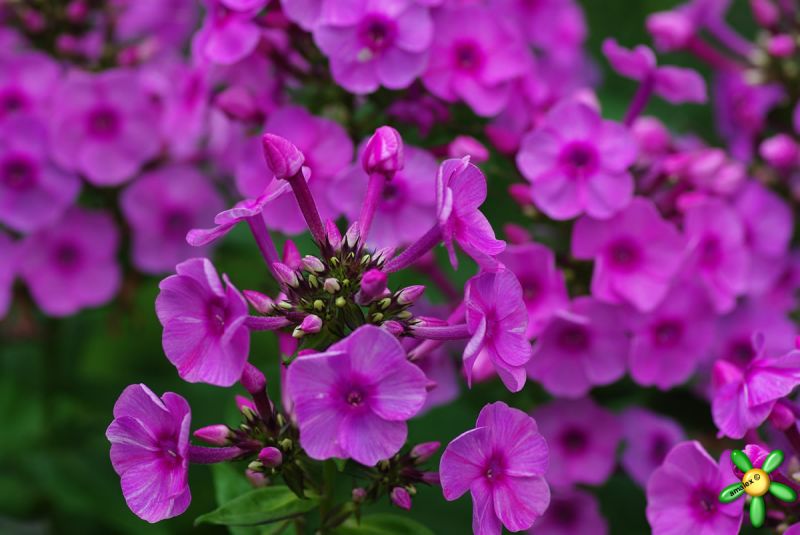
[328, 476]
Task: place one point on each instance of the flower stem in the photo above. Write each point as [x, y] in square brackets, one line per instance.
[443, 332]
[305, 200]
[377, 181]
[730, 38]
[640, 100]
[264, 241]
[204, 455]
[415, 250]
[266, 323]
[710, 55]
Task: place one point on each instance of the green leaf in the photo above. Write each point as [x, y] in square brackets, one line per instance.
[783, 492]
[383, 524]
[726, 497]
[757, 511]
[741, 460]
[259, 506]
[773, 461]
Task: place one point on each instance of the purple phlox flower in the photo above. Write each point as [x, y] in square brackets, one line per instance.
[780, 151]
[682, 494]
[105, 126]
[305, 13]
[744, 397]
[373, 43]
[584, 346]
[707, 169]
[781, 296]
[717, 252]
[327, 150]
[72, 264]
[674, 84]
[27, 81]
[556, 27]
[768, 227]
[571, 511]
[741, 110]
[669, 342]
[648, 439]
[502, 464]
[460, 191]
[407, 207]
[734, 334]
[475, 56]
[227, 35]
[33, 192]
[162, 207]
[353, 400]
[150, 451]
[576, 162]
[8, 270]
[636, 252]
[497, 320]
[543, 289]
[583, 439]
[169, 22]
[205, 335]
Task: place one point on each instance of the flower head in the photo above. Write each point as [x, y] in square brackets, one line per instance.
[205, 335]
[149, 450]
[502, 464]
[583, 346]
[371, 44]
[682, 494]
[353, 400]
[583, 438]
[497, 320]
[578, 163]
[72, 264]
[648, 439]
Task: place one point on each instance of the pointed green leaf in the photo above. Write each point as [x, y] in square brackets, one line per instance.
[382, 524]
[757, 511]
[259, 506]
[731, 493]
[741, 461]
[783, 492]
[773, 461]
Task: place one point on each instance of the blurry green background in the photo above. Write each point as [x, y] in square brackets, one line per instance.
[59, 381]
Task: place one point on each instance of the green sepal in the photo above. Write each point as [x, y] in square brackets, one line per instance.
[757, 511]
[783, 492]
[773, 461]
[725, 495]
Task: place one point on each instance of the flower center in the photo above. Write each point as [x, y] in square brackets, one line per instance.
[710, 252]
[667, 333]
[495, 467]
[574, 440]
[579, 159]
[741, 351]
[104, 123]
[659, 449]
[176, 223]
[67, 256]
[467, 56]
[563, 513]
[18, 173]
[216, 315]
[376, 33]
[705, 501]
[624, 254]
[355, 397]
[574, 338]
[12, 101]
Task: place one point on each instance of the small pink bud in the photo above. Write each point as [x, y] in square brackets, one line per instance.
[382, 255]
[286, 275]
[282, 157]
[359, 495]
[311, 324]
[291, 255]
[782, 416]
[671, 30]
[431, 478]
[333, 234]
[352, 235]
[516, 234]
[217, 435]
[765, 12]
[77, 10]
[243, 403]
[253, 379]
[257, 479]
[270, 457]
[383, 152]
[401, 498]
[468, 146]
[393, 327]
[312, 264]
[781, 46]
[331, 285]
[262, 303]
[779, 151]
[521, 194]
[373, 284]
[426, 450]
[651, 134]
[238, 103]
[410, 294]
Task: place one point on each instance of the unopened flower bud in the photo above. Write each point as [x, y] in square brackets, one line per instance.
[781, 46]
[331, 285]
[340, 302]
[382, 255]
[262, 303]
[286, 275]
[282, 157]
[401, 498]
[422, 452]
[468, 146]
[383, 152]
[516, 234]
[765, 12]
[671, 30]
[77, 11]
[333, 234]
[779, 151]
[373, 284]
[651, 135]
[431, 478]
[394, 327]
[217, 435]
[782, 417]
[359, 495]
[313, 264]
[352, 235]
[257, 479]
[410, 294]
[521, 194]
[270, 457]
[253, 379]
[243, 402]
[238, 103]
[311, 324]
[291, 255]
